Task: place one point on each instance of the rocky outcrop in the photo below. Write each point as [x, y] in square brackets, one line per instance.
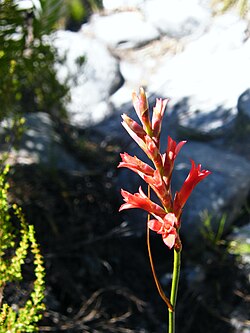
[207, 78]
[92, 74]
[131, 29]
[178, 19]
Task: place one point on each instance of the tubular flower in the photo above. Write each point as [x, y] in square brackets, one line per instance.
[194, 177]
[143, 140]
[166, 227]
[169, 157]
[135, 164]
[141, 107]
[158, 113]
[140, 200]
[134, 130]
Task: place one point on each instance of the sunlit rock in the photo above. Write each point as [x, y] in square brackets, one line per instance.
[122, 30]
[92, 74]
[206, 79]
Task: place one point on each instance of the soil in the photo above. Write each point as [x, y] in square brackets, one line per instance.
[98, 277]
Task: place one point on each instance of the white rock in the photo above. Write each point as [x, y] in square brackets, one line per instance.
[112, 5]
[208, 77]
[90, 83]
[123, 30]
[178, 18]
[122, 96]
[131, 72]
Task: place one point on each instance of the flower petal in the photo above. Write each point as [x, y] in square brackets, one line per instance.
[170, 220]
[135, 164]
[158, 113]
[141, 107]
[155, 225]
[134, 130]
[169, 239]
[140, 200]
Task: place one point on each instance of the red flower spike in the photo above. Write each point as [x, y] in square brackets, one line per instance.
[194, 177]
[167, 218]
[141, 107]
[158, 113]
[166, 227]
[140, 200]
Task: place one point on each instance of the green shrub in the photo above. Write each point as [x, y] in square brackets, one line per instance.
[15, 245]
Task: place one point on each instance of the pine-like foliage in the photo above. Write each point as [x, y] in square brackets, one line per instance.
[15, 245]
[28, 81]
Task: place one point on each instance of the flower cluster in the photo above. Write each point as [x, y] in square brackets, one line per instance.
[166, 218]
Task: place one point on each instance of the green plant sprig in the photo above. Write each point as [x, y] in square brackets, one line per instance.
[27, 317]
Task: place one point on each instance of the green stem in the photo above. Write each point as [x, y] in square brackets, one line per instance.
[174, 290]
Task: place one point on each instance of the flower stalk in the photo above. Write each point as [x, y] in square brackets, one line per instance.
[174, 290]
[163, 218]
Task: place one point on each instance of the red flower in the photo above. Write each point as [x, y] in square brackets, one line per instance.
[140, 200]
[169, 157]
[134, 130]
[141, 107]
[166, 227]
[158, 113]
[135, 164]
[144, 141]
[194, 177]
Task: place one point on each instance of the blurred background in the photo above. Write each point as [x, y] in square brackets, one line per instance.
[67, 71]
